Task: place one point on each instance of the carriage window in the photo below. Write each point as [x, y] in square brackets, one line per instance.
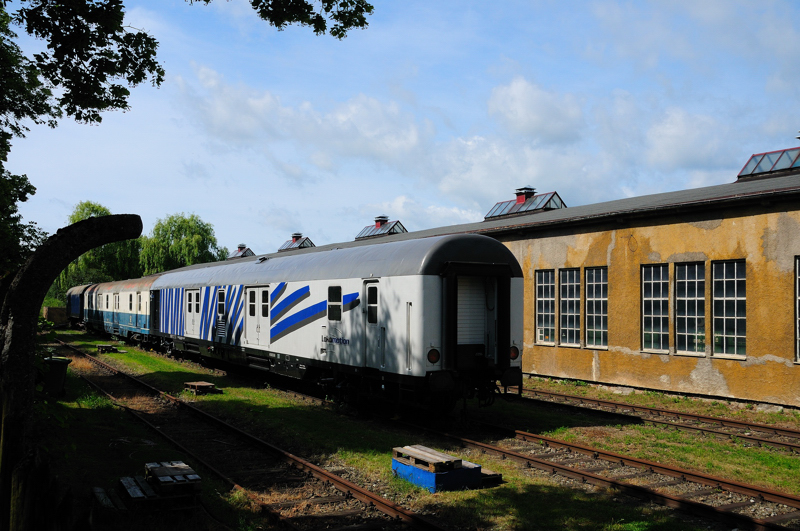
[139, 302]
[334, 303]
[189, 302]
[106, 301]
[372, 304]
[251, 304]
[130, 302]
[265, 303]
[221, 302]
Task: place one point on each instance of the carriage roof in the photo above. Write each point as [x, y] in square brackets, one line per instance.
[423, 256]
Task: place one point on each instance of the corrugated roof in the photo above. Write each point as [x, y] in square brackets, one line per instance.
[739, 193]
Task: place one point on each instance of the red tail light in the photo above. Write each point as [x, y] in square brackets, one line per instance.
[434, 356]
[514, 354]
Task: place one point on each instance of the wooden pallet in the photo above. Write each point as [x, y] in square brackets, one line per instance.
[101, 349]
[172, 477]
[201, 388]
[426, 458]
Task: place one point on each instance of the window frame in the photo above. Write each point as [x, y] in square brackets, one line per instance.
[720, 300]
[663, 298]
[334, 303]
[567, 299]
[541, 301]
[700, 307]
[592, 302]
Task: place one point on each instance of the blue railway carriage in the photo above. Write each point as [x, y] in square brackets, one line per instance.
[120, 308]
[416, 319]
[75, 313]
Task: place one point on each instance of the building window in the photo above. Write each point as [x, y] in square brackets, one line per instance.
[546, 306]
[730, 311]
[690, 307]
[655, 307]
[597, 307]
[334, 303]
[569, 281]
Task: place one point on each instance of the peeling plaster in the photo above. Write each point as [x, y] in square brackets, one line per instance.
[654, 257]
[705, 379]
[762, 360]
[664, 379]
[595, 366]
[711, 224]
[611, 246]
[687, 257]
[776, 242]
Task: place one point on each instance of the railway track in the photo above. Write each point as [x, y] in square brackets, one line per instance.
[747, 432]
[292, 491]
[737, 504]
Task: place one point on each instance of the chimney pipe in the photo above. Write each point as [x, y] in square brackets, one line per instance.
[296, 236]
[380, 221]
[525, 193]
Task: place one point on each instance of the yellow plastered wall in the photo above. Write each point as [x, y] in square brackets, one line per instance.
[767, 238]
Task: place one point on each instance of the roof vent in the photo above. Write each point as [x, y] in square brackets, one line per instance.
[527, 202]
[298, 241]
[525, 193]
[382, 227]
[773, 163]
[241, 251]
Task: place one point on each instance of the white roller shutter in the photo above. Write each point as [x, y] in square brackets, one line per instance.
[471, 310]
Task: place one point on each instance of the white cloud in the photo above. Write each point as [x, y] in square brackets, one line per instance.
[362, 127]
[683, 140]
[415, 215]
[526, 109]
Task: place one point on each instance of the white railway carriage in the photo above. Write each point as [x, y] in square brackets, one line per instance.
[416, 319]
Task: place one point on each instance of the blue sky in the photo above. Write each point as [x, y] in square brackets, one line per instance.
[431, 115]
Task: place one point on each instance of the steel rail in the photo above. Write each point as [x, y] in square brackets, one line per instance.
[370, 498]
[677, 502]
[696, 477]
[728, 423]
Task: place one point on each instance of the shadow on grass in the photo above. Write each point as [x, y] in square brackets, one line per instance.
[89, 443]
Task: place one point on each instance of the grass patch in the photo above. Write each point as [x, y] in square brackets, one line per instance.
[88, 442]
[789, 417]
[362, 450]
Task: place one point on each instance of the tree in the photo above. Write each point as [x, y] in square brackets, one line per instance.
[179, 241]
[21, 505]
[91, 60]
[112, 261]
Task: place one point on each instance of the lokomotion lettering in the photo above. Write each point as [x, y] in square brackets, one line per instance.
[335, 340]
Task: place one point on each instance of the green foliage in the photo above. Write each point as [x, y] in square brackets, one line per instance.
[113, 261]
[343, 14]
[178, 241]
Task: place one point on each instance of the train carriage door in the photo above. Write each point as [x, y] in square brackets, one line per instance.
[192, 312]
[374, 329]
[256, 320]
[115, 315]
[139, 316]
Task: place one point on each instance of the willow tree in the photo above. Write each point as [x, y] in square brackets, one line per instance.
[112, 261]
[178, 241]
